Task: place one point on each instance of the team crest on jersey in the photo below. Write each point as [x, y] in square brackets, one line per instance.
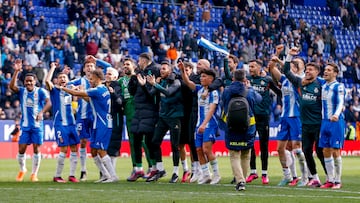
[262, 82]
[316, 90]
[29, 102]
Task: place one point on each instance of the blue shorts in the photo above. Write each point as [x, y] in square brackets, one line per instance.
[101, 138]
[66, 135]
[332, 134]
[208, 136]
[32, 136]
[85, 128]
[290, 129]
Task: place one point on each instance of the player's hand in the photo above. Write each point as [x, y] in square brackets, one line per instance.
[53, 65]
[294, 51]
[151, 79]
[141, 79]
[18, 65]
[201, 129]
[181, 66]
[334, 118]
[111, 90]
[205, 94]
[39, 116]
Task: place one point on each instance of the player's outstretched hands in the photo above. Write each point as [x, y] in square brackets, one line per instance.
[141, 79]
[294, 51]
[18, 65]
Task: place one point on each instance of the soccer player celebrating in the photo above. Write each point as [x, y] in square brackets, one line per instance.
[34, 103]
[332, 126]
[64, 124]
[310, 112]
[84, 116]
[206, 127]
[290, 123]
[263, 85]
[99, 98]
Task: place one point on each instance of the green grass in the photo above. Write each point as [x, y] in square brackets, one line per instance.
[162, 191]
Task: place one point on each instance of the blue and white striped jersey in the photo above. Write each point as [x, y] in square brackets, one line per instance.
[204, 106]
[290, 99]
[31, 104]
[84, 109]
[61, 107]
[100, 103]
[333, 97]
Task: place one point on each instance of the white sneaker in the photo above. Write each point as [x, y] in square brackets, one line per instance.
[204, 179]
[215, 180]
[111, 180]
[102, 179]
[195, 177]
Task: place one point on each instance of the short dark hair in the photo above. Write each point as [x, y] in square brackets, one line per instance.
[31, 75]
[335, 67]
[314, 65]
[188, 64]
[98, 73]
[146, 56]
[257, 61]
[239, 75]
[210, 72]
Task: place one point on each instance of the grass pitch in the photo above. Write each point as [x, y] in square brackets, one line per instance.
[47, 191]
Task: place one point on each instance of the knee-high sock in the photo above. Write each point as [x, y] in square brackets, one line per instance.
[82, 152]
[329, 164]
[73, 163]
[36, 163]
[106, 160]
[60, 164]
[101, 167]
[338, 169]
[22, 161]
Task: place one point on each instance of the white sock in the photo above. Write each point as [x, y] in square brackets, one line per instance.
[264, 172]
[101, 167]
[205, 170]
[160, 166]
[176, 170]
[292, 163]
[60, 164]
[329, 165]
[302, 162]
[22, 161]
[73, 163]
[193, 168]
[286, 172]
[197, 166]
[338, 169]
[113, 161]
[253, 171]
[215, 167]
[184, 165]
[83, 155]
[36, 163]
[106, 160]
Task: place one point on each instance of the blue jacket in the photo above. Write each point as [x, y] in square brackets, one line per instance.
[233, 140]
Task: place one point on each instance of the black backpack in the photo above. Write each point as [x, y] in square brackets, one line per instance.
[237, 116]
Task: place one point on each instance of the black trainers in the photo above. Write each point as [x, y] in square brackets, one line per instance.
[157, 176]
[83, 176]
[240, 186]
[174, 178]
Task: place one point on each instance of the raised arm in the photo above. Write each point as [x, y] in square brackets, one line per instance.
[185, 77]
[17, 67]
[274, 71]
[295, 80]
[79, 93]
[48, 82]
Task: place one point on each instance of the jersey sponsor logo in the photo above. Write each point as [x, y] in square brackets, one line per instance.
[309, 97]
[259, 88]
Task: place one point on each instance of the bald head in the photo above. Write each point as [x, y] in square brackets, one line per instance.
[202, 64]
